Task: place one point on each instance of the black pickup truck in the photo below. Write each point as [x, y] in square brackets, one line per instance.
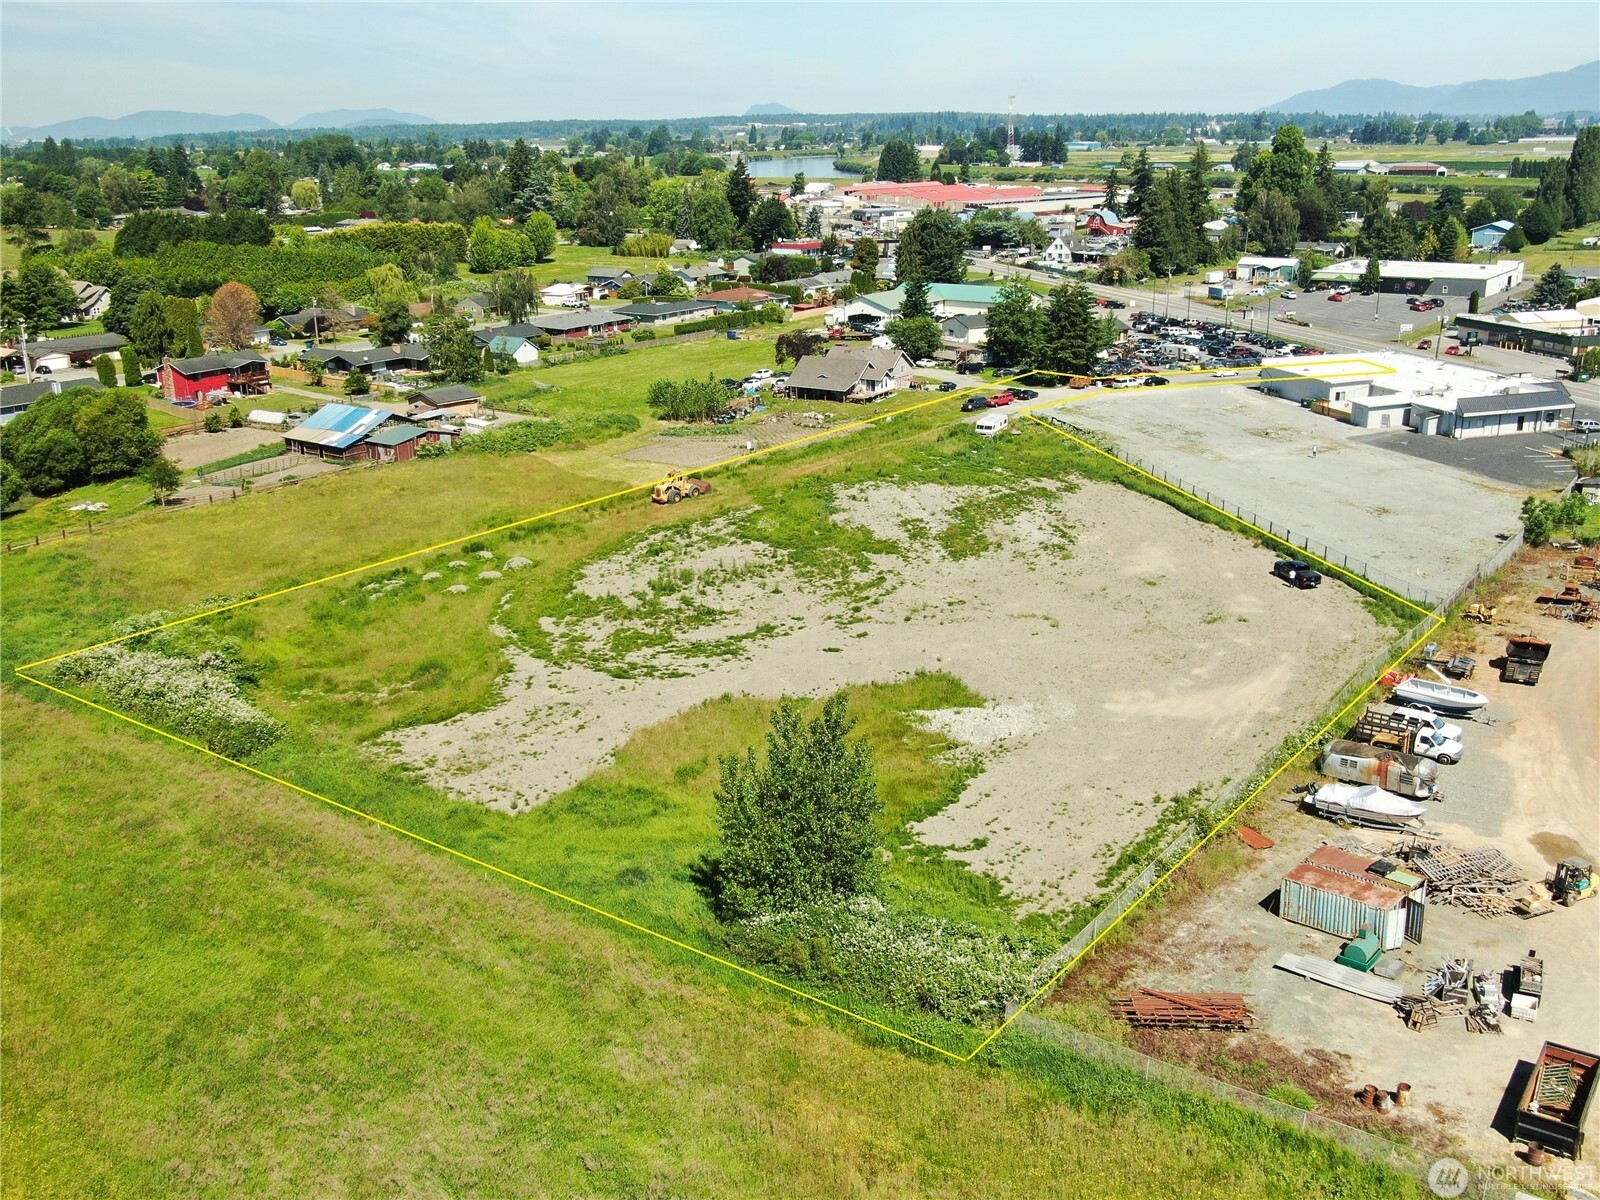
[1296, 573]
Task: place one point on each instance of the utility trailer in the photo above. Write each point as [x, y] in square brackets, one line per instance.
[1555, 1100]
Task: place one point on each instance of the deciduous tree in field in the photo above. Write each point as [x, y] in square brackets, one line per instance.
[232, 316]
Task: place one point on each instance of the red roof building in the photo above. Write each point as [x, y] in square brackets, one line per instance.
[237, 373]
[948, 195]
[812, 246]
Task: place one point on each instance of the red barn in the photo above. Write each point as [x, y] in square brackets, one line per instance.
[235, 373]
[1106, 223]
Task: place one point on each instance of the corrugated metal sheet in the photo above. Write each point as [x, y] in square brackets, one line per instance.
[1306, 903]
[339, 425]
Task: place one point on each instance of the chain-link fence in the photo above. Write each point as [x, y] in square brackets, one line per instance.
[1370, 1147]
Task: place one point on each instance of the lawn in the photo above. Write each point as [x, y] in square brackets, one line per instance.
[1565, 248]
[215, 988]
[11, 254]
[34, 517]
[571, 263]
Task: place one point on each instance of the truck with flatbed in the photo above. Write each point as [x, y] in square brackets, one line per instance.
[1555, 1100]
[1409, 731]
[1524, 660]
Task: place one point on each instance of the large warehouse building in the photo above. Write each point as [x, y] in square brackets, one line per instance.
[1430, 278]
[1388, 390]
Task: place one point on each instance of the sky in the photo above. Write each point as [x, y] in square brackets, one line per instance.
[471, 62]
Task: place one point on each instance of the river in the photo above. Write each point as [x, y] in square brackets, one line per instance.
[812, 166]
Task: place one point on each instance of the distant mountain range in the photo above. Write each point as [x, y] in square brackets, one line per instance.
[1577, 90]
[164, 123]
[771, 110]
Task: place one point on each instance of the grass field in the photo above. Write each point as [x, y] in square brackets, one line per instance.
[570, 263]
[291, 960]
[11, 254]
[216, 989]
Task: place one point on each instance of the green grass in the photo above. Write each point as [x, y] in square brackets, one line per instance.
[11, 254]
[162, 418]
[35, 517]
[1565, 248]
[270, 450]
[571, 263]
[217, 988]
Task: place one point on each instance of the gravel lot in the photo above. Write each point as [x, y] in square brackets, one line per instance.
[1414, 522]
[1128, 652]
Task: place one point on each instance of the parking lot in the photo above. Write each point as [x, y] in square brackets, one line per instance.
[1412, 520]
[1530, 461]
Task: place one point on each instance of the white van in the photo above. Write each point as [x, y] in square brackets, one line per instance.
[992, 423]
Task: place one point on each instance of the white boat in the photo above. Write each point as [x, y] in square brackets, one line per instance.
[1365, 804]
[1445, 698]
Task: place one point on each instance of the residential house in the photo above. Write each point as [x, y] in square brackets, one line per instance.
[556, 295]
[599, 323]
[457, 399]
[17, 398]
[412, 356]
[57, 354]
[731, 298]
[684, 246]
[946, 300]
[233, 373]
[335, 431]
[607, 281]
[1058, 253]
[808, 246]
[475, 308]
[847, 373]
[704, 274]
[665, 312]
[1331, 249]
[743, 267]
[823, 283]
[93, 299]
[319, 322]
[968, 329]
[1258, 266]
[520, 350]
[1489, 237]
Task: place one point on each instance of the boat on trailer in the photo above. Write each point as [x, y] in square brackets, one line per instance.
[1365, 804]
[1448, 698]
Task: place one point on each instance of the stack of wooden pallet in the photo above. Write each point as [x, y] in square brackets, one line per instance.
[1184, 1010]
[1424, 1012]
[1483, 881]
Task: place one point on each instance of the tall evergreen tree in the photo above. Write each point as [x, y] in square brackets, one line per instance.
[1583, 177]
[1013, 330]
[933, 248]
[1140, 184]
[916, 302]
[741, 193]
[1113, 183]
[1071, 332]
[518, 174]
[899, 162]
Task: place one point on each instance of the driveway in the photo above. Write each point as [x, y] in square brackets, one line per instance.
[1527, 460]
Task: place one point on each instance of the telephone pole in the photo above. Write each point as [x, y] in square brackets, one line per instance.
[1011, 128]
[22, 342]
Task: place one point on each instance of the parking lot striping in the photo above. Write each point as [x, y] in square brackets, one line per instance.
[21, 672]
[737, 459]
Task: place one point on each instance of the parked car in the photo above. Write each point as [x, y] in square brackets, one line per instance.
[1586, 425]
[1001, 399]
[278, 341]
[1297, 573]
[1336, 297]
[759, 376]
[969, 368]
[1452, 350]
[1224, 374]
[926, 362]
[1290, 294]
[1155, 381]
[1122, 383]
[974, 403]
[1025, 393]
[948, 385]
[42, 370]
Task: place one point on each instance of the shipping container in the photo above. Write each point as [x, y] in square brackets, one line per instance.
[1343, 894]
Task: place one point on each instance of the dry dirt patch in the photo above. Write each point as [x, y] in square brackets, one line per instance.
[1128, 652]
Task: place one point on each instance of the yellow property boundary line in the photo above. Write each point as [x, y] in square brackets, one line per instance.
[22, 673]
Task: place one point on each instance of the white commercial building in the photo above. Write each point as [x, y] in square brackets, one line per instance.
[1392, 390]
[1430, 278]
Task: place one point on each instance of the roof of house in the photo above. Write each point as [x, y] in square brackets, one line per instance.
[76, 345]
[967, 320]
[453, 393]
[1546, 399]
[842, 368]
[507, 344]
[21, 395]
[745, 295]
[338, 425]
[646, 309]
[949, 293]
[563, 289]
[396, 435]
[480, 300]
[566, 322]
[1498, 226]
[206, 364]
[609, 273]
[370, 356]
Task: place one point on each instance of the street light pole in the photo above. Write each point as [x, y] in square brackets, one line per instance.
[22, 341]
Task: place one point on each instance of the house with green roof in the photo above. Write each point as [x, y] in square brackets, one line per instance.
[946, 299]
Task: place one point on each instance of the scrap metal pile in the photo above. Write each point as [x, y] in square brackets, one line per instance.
[1483, 881]
[1184, 1010]
[1455, 990]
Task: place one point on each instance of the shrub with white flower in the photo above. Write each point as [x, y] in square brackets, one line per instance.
[197, 699]
[926, 964]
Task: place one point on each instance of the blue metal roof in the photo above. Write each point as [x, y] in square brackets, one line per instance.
[346, 424]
